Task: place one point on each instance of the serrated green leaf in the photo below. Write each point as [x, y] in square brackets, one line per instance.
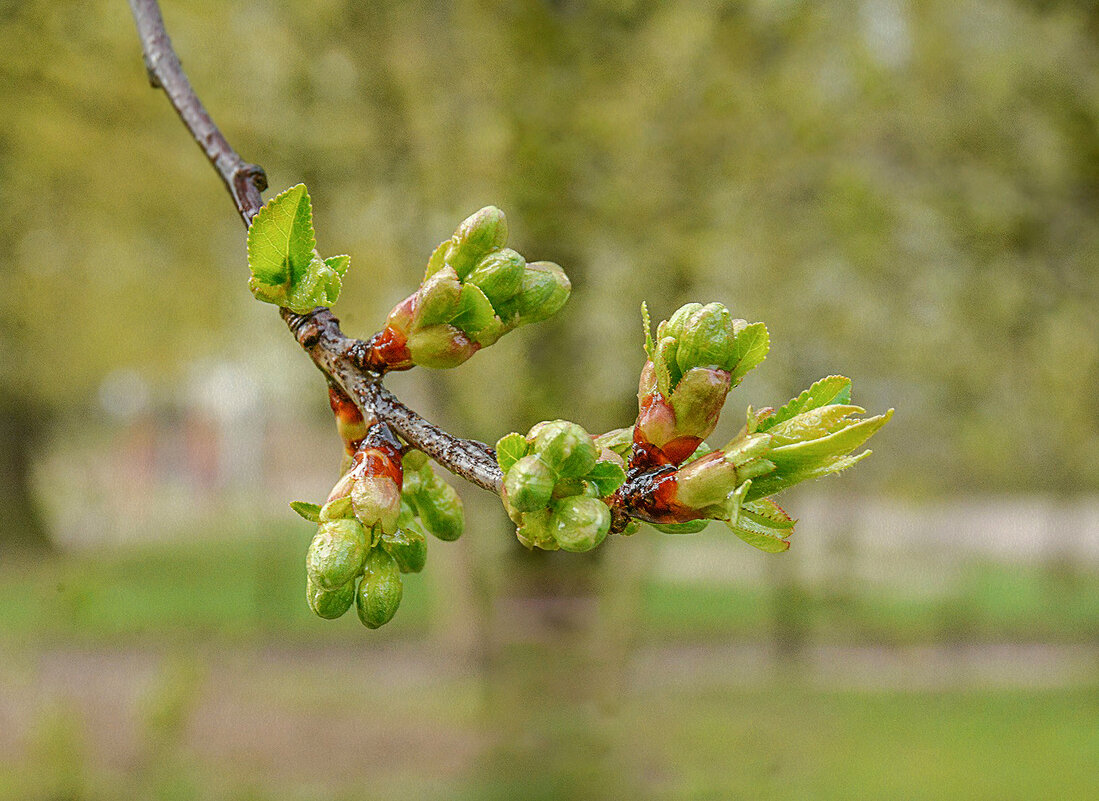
[475, 311]
[835, 389]
[667, 371]
[339, 264]
[777, 482]
[788, 458]
[280, 238]
[607, 477]
[309, 511]
[690, 527]
[763, 524]
[813, 424]
[510, 449]
[647, 326]
[749, 349]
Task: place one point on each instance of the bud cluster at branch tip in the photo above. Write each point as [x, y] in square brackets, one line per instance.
[555, 480]
[474, 291]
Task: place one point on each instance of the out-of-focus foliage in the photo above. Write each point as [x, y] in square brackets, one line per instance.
[906, 193]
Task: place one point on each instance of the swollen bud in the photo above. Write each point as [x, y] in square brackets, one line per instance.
[380, 590]
[707, 338]
[376, 499]
[329, 604]
[477, 236]
[440, 346]
[529, 484]
[543, 292]
[565, 447]
[437, 299]
[336, 554]
[579, 523]
[440, 508]
[499, 275]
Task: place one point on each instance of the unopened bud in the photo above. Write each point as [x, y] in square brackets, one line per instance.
[707, 338]
[543, 292]
[380, 590]
[579, 523]
[565, 447]
[329, 604]
[528, 485]
[438, 299]
[440, 509]
[499, 275]
[336, 554]
[440, 347]
[376, 500]
[697, 400]
[477, 236]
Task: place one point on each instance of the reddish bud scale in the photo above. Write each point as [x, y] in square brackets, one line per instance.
[648, 455]
[379, 454]
[651, 495]
[349, 420]
[388, 351]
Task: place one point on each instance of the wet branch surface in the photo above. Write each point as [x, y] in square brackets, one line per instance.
[342, 359]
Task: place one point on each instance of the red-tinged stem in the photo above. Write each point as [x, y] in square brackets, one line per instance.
[346, 362]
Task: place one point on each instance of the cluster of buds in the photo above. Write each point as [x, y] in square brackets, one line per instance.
[475, 291]
[699, 354]
[555, 480]
[371, 529]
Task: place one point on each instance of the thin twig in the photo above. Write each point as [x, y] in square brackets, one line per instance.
[339, 357]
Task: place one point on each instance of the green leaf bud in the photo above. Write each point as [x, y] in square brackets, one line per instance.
[408, 547]
[438, 299]
[528, 485]
[440, 509]
[565, 447]
[336, 554]
[329, 604]
[477, 236]
[440, 347]
[499, 275]
[380, 590]
[544, 290]
[376, 500]
[579, 523]
[336, 509]
[706, 338]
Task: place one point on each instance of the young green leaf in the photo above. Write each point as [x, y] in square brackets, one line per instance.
[474, 310]
[607, 477]
[749, 349]
[310, 511]
[835, 389]
[285, 270]
[511, 449]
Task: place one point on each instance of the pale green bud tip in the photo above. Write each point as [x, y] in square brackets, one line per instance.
[565, 446]
[706, 339]
[544, 290]
[329, 604]
[579, 523]
[499, 275]
[440, 509]
[528, 485]
[336, 554]
[478, 235]
[380, 591]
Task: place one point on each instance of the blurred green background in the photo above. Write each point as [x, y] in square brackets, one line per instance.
[905, 192]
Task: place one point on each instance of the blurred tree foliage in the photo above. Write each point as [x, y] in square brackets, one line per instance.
[905, 192]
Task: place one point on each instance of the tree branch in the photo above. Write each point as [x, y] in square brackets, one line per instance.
[342, 359]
